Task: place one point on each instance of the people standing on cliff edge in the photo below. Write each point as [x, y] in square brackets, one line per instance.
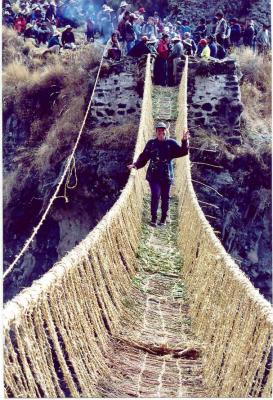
[160, 152]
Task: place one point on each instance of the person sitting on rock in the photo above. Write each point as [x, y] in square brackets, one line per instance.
[68, 38]
[140, 48]
[43, 32]
[212, 45]
[112, 49]
[19, 24]
[204, 49]
[29, 32]
[160, 152]
[8, 19]
[54, 43]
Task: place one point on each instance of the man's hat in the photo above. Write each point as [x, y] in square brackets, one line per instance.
[152, 39]
[176, 38]
[160, 125]
[68, 27]
[123, 4]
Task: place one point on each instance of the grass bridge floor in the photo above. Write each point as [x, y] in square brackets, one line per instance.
[155, 354]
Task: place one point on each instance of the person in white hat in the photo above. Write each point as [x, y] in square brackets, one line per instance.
[130, 34]
[174, 58]
[160, 152]
[124, 6]
[107, 26]
[68, 38]
[152, 45]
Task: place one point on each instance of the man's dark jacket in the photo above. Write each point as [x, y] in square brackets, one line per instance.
[68, 37]
[160, 154]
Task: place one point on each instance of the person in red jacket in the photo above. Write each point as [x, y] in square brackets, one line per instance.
[161, 66]
[20, 24]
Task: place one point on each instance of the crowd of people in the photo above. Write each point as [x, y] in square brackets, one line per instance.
[127, 31]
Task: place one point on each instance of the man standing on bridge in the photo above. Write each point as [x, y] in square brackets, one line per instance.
[160, 151]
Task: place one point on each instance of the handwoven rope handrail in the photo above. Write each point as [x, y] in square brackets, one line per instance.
[56, 331]
[70, 159]
[228, 313]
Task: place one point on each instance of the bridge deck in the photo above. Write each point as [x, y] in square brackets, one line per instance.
[155, 354]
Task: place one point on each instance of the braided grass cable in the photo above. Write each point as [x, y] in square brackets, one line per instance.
[66, 314]
[228, 313]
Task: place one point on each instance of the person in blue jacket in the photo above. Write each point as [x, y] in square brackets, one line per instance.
[160, 152]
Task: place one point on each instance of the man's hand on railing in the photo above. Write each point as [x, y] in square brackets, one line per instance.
[131, 166]
[185, 135]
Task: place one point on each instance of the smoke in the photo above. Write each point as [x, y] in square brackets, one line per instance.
[75, 12]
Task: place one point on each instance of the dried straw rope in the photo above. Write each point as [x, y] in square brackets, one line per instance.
[67, 315]
[228, 314]
[57, 331]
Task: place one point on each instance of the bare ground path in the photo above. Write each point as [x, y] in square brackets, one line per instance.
[154, 353]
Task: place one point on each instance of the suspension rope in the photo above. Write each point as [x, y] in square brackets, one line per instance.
[70, 167]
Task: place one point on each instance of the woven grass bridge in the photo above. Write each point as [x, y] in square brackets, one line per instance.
[134, 311]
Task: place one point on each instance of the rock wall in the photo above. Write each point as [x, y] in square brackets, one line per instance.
[259, 10]
[214, 98]
[117, 97]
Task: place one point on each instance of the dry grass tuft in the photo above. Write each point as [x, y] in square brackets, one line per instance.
[48, 95]
[256, 90]
[114, 137]
[9, 182]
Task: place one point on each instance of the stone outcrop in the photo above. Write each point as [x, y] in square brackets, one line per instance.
[118, 94]
[193, 10]
[214, 97]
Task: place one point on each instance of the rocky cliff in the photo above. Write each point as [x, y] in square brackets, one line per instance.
[101, 173]
[259, 10]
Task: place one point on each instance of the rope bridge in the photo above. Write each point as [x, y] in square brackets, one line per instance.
[58, 332]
